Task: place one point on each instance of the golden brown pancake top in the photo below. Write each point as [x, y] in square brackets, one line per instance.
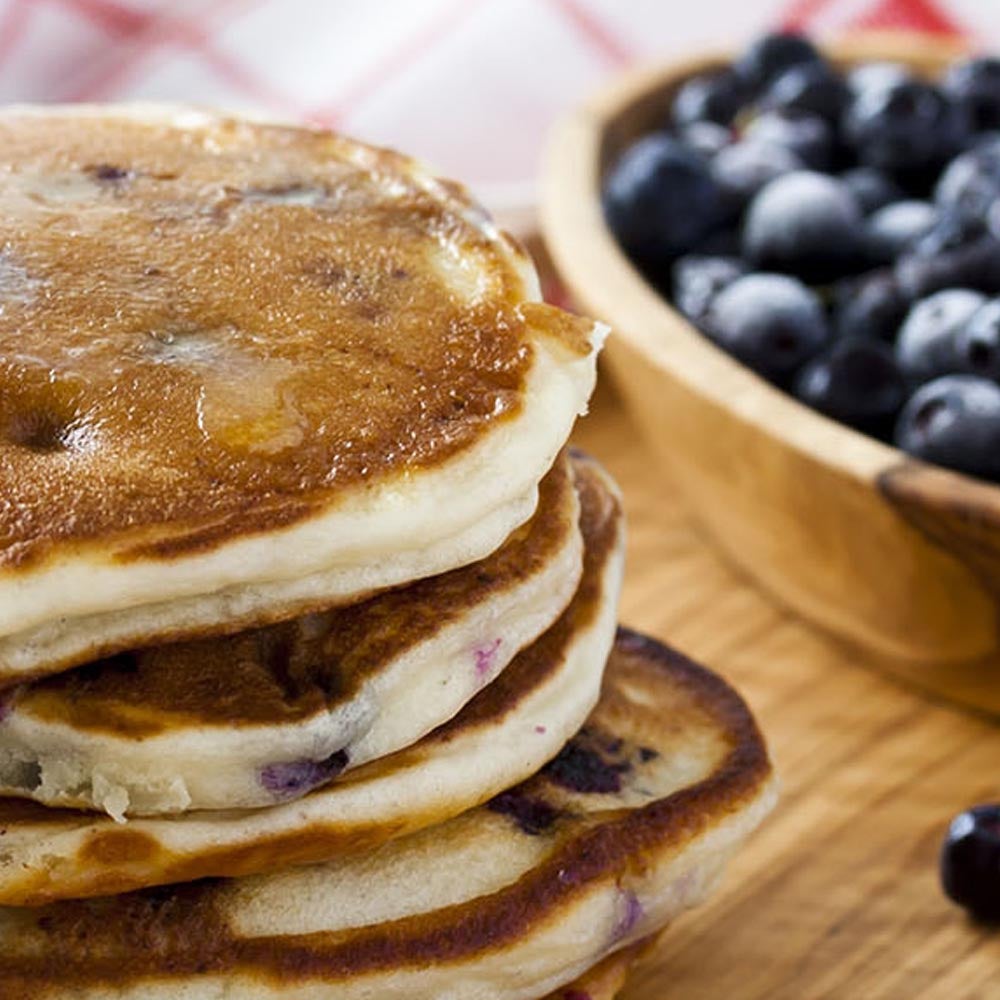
[218, 328]
[291, 671]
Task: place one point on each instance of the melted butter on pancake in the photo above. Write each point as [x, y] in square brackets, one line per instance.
[227, 318]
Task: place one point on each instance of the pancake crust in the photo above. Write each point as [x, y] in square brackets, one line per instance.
[505, 734]
[256, 363]
[627, 827]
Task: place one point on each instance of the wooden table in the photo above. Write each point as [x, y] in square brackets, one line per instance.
[837, 895]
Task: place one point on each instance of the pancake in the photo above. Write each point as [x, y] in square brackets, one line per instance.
[504, 735]
[630, 825]
[250, 370]
[264, 716]
[605, 979]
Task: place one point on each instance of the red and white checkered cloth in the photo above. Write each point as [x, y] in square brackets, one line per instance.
[469, 85]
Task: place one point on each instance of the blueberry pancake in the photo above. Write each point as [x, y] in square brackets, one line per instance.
[250, 371]
[263, 716]
[505, 734]
[631, 824]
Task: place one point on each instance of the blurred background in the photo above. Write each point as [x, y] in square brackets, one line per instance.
[469, 85]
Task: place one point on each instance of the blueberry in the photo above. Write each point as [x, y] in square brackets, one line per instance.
[855, 381]
[713, 97]
[871, 306]
[660, 199]
[742, 169]
[975, 86]
[974, 265]
[806, 135]
[970, 184]
[970, 862]
[954, 421]
[892, 230]
[768, 57]
[805, 224]
[720, 243]
[706, 138]
[698, 279]
[872, 188]
[811, 87]
[926, 344]
[872, 76]
[951, 231]
[977, 342]
[902, 127]
[771, 322]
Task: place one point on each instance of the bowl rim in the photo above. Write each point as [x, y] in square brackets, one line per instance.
[583, 246]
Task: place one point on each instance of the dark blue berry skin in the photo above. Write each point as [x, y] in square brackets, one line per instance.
[770, 322]
[857, 382]
[977, 343]
[892, 230]
[660, 200]
[806, 135]
[872, 76]
[713, 97]
[925, 347]
[814, 88]
[974, 265]
[974, 85]
[706, 138]
[697, 280]
[742, 169]
[970, 184]
[950, 232]
[970, 862]
[954, 421]
[871, 188]
[903, 127]
[871, 306]
[806, 224]
[770, 56]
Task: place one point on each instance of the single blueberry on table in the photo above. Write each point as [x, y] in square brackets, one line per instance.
[771, 55]
[743, 168]
[712, 97]
[901, 127]
[698, 279]
[707, 138]
[977, 343]
[660, 199]
[970, 862]
[770, 322]
[806, 224]
[806, 135]
[892, 230]
[925, 347]
[872, 188]
[954, 421]
[871, 305]
[855, 381]
[810, 87]
[974, 85]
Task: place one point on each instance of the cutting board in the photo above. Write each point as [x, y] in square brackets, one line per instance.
[837, 895]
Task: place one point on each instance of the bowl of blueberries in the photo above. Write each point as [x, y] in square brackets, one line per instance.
[799, 252]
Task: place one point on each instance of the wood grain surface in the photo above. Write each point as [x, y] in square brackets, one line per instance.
[837, 896]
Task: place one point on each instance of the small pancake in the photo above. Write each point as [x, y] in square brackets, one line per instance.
[630, 825]
[504, 735]
[250, 370]
[264, 716]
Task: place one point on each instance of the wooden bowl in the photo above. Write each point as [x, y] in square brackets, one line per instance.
[899, 558]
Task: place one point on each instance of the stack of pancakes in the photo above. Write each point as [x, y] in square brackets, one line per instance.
[309, 672]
